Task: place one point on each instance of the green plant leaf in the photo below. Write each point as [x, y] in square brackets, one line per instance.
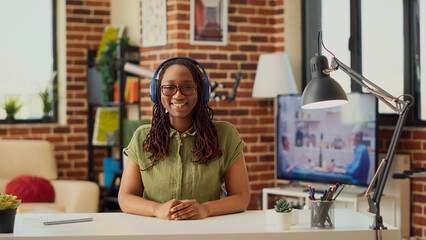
[9, 202]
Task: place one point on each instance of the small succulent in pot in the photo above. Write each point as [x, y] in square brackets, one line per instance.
[283, 206]
[8, 202]
[8, 209]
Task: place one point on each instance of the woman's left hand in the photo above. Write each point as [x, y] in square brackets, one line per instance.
[189, 209]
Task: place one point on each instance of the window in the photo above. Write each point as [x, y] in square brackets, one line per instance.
[336, 35]
[422, 17]
[27, 55]
[384, 46]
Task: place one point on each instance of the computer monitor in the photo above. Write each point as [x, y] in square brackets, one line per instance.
[331, 145]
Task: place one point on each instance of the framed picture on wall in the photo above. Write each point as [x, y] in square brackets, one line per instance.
[209, 22]
[154, 23]
[111, 32]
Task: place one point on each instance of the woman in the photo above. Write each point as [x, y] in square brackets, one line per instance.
[179, 162]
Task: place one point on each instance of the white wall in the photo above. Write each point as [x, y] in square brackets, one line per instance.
[293, 37]
[128, 12]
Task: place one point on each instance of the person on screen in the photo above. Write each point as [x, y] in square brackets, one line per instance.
[176, 166]
[286, 163]
[359, 167]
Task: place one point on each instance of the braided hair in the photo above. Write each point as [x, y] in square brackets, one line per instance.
[206, 145]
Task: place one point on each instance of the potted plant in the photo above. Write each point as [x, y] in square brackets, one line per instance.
[284, 208]
[104, 67]
[11, 105]
[8, 206]
[48, 97]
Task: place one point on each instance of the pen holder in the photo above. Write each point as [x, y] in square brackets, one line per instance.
[322, 214]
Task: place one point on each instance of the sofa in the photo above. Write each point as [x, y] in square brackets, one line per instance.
[36, 158]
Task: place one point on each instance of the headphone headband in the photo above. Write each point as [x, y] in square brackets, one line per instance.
[155, 83]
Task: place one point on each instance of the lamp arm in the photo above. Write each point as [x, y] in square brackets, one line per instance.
[394, 103]
[401, 108]
[374, 202]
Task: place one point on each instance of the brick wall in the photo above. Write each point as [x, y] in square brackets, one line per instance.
[412, 142]
[254, 27]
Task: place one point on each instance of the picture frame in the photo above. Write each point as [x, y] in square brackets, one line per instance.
[154, 23]
[106, 130]
[209, 22]
[111, 32]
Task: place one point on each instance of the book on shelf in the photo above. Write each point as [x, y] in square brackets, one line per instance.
[131, 92]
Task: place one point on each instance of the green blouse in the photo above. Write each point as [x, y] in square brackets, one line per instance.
[176, 177]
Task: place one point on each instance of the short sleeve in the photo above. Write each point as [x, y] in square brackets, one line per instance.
[230, 142]
[135, 148]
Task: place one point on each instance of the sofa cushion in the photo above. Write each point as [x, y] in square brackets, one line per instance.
[30, 188]
[27, 157]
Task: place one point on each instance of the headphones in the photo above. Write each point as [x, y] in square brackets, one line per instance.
[155, 82]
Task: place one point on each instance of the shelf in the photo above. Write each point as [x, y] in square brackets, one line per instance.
[127, 111]
[128, 53]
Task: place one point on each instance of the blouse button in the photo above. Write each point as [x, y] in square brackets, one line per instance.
[184, 135]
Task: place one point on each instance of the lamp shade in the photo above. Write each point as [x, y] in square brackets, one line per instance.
[322, 91]
[274, 76]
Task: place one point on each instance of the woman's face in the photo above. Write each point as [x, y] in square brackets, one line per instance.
[178, 105]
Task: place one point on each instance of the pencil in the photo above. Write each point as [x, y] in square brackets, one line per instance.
[339, 191]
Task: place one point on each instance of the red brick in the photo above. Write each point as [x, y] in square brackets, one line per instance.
[40, 130]
[18, 131]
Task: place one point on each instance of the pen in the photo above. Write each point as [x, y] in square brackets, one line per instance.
[324, 195]
[339, 191]
[310, 192]
[313, 193]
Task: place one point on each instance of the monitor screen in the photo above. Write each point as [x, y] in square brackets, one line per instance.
[331, 145]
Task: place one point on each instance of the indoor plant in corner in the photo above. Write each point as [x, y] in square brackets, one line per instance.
[8, 206]
[108, 77]
[284, 209]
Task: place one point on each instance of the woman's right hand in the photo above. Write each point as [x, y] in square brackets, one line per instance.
[163, 210]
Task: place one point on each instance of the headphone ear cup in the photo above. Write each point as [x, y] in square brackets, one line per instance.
[153, 89]
[207, 88]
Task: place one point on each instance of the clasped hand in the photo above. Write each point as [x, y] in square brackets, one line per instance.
[181, 210]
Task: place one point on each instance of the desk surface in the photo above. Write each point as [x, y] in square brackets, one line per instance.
[248, 225]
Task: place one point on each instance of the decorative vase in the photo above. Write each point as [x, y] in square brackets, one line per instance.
[284, 220]
[46, 118]
[10, 118]
[7, 220]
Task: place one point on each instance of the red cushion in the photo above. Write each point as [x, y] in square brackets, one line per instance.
[31, 189]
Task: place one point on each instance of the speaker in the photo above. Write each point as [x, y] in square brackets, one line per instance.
[155, 83]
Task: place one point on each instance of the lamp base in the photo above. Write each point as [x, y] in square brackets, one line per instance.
[378, 223]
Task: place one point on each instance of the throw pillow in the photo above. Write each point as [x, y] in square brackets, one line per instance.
[30, 188]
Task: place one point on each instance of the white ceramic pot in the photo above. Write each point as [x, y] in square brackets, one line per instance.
[284, 220]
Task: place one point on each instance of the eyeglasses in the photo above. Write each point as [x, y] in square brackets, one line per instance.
[170, 90]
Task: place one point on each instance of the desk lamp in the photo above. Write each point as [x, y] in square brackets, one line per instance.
[323, 91]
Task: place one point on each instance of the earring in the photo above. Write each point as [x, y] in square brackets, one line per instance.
[166, 111]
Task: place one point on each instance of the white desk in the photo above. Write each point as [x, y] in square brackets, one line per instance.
[249, 225]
